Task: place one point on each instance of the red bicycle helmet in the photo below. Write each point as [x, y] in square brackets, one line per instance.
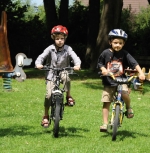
[59, 29]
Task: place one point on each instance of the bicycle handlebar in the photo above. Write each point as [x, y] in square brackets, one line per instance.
[119, 79]
[47, 68]
[58, 70]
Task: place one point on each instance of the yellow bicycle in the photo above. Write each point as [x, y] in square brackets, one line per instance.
[118, 110]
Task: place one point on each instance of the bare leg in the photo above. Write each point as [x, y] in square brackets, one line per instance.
[46, 111]
[45, 120]
[68, 94]
[105, 112]
[126, 98]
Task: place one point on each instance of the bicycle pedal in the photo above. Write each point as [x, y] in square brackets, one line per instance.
[125, 113]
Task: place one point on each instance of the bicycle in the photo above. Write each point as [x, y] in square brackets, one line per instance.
[118, 111]
[57, 97]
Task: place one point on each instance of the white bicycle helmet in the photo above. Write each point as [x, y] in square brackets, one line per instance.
[117, 33]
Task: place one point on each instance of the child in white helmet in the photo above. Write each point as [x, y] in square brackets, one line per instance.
[57, 55]
[117, 39]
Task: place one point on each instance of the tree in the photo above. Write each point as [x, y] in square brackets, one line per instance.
[51, 14]
[110, 19]
[93, 26]
[63, 13]
[52, 18]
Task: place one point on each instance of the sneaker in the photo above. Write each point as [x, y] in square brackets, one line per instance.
[103, 128]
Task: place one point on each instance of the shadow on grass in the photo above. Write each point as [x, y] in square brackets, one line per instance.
[121, 135]
[93, 85]
[17, 131]
[25, 130]
[69, 132]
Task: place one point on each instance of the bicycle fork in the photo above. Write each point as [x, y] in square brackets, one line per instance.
[120, 113]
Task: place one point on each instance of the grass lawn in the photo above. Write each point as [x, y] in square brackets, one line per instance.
[22, 111]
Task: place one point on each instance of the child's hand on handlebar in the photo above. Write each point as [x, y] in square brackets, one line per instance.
[39, 66]
[141, 76]
[107, 73]
[76, 67]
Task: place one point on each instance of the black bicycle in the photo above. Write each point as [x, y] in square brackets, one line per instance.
[57, 96]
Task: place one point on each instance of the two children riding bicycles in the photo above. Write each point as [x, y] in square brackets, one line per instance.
[113, 59]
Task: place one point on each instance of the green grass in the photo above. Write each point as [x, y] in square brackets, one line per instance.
[22, 111]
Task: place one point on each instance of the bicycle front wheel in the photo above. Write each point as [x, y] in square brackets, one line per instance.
[116, 122]
[56, 117]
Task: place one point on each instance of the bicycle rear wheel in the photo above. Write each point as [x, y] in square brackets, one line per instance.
[116, 122]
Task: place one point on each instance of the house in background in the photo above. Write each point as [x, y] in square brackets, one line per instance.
[134, 4]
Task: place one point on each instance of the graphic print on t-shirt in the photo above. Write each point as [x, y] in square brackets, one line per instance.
[115, 66]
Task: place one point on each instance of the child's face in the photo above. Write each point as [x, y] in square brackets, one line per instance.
[59, 40]
[117, 44]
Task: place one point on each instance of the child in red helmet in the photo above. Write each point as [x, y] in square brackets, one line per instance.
[57, 55]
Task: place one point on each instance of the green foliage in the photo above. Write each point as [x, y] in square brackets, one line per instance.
[22, 111]
[27, 31]
[142, 26]
[26, 23]
[137, 26]
[127, 20]
[78, 18]
[143, 19]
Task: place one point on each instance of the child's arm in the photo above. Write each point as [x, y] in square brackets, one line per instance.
[41, 58]
[104, 70]
[141, 74]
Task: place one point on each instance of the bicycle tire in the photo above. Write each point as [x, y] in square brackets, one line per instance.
[56, 117]
[116, 122]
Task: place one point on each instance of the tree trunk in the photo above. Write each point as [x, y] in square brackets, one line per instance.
[63, 12]
[94, 15]
[51, 14]
[110, 19]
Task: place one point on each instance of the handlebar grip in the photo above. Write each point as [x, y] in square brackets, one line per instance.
[109, 74]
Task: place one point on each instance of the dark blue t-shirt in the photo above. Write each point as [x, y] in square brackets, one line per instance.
[107, 56]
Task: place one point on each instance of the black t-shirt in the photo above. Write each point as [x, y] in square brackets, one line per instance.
[107, 56]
